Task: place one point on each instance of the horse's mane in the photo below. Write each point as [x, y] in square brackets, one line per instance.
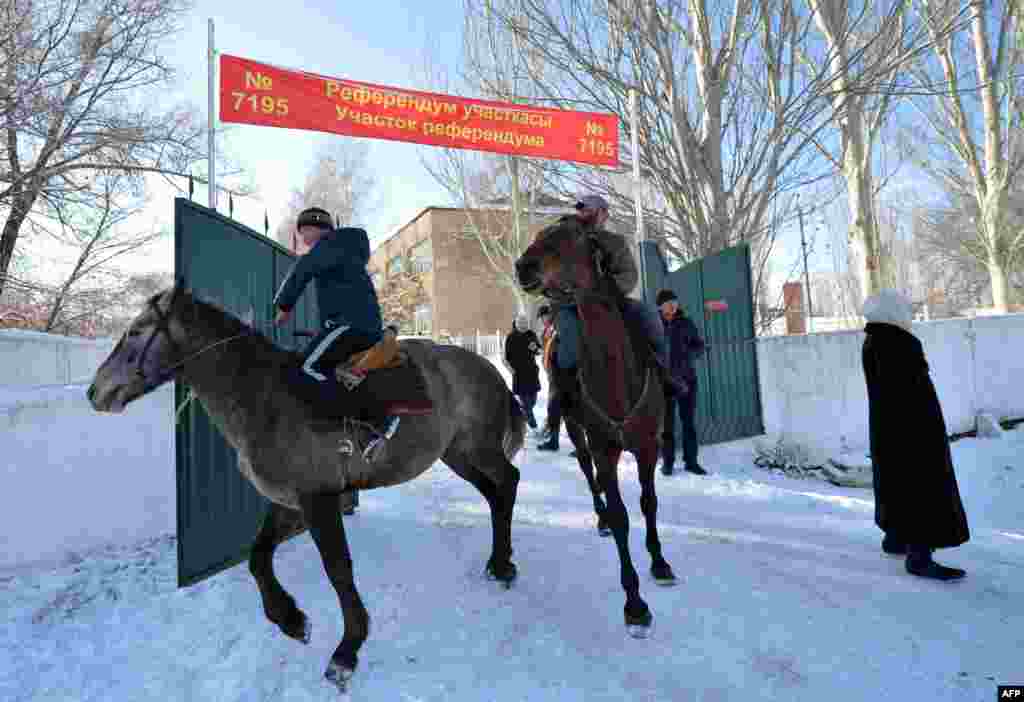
[568, 224]
[222, 324]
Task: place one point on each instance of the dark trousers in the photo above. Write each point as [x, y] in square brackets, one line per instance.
[686, 405]
[315, 380]
[554, 420]
[528, 400]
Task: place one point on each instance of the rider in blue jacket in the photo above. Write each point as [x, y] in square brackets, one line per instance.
[350, 318]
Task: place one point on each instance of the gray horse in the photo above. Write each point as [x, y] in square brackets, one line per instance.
[239, 377]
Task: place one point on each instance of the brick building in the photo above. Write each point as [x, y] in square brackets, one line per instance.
[463, 293]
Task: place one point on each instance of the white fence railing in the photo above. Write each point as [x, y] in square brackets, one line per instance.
[483, 344]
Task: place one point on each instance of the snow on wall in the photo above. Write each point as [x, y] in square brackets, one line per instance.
[813, 391]
[74, 479]
[34, 358]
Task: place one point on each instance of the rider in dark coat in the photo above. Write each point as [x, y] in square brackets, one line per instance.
[917, 501]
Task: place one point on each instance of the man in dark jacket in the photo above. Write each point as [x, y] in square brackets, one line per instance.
[350, 316]
[917, 501]
[521, 349]
[684, 345]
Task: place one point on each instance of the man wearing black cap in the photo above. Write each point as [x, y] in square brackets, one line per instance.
[349, 313]
[685, 345]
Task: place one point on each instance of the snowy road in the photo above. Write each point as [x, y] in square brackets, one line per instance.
[784, 595]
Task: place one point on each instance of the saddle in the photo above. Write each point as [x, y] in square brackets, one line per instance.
[385, 373]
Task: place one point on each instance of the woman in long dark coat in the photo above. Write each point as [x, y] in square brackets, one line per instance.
[521, 349]
[917, 502]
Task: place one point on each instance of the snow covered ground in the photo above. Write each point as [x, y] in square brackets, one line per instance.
[784, 595]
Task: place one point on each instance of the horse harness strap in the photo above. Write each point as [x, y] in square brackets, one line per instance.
[617, 428]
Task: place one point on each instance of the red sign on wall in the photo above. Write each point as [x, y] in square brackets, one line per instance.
[261, 94]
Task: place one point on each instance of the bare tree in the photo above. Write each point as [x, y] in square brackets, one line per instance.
[99, 233]
[865, 47]
[340, 181]
[499, 194]
[77, 78]
[974, 140]
[400, 296]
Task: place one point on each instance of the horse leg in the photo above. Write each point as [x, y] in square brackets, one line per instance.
[279, 607]
[585, 460]
[501, 499]
[646, 457]
[322, 513]
[638, 615]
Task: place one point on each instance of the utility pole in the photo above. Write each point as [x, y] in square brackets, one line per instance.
[807, 276]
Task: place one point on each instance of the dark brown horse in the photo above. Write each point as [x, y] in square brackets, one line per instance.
[619, 403]
[239, 376]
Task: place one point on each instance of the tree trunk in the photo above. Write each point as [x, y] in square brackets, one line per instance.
[21, 205]
[863, 235]
[992, 208]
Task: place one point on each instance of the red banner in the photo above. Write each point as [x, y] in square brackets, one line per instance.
[258, 93]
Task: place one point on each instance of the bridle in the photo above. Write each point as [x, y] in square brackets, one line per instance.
[163, 326]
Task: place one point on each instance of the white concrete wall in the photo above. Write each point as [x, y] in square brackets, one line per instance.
[813, 391]
[74, 479]
[34, 358]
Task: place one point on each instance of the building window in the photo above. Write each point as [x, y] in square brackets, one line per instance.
[395, 265]
[421, 257]
[423, 319]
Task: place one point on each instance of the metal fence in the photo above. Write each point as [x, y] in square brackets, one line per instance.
[483, 344]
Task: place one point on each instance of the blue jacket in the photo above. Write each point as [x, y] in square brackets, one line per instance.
[344, 291]
[684, 345]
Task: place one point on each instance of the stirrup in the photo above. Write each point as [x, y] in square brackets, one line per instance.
[390, 427]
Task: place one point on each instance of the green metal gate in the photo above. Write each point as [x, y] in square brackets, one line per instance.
[224, 262]
[729, 396]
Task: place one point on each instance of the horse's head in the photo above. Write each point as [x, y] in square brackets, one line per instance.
[560, 261]
[147, 355]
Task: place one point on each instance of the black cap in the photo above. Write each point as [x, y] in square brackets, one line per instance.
[664, 296]
[314, 217]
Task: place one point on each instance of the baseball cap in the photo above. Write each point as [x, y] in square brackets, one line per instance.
[592, 201]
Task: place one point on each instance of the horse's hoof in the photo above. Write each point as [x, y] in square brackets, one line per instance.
[638, 623]
[339, 675]
[506, 575]
[298, 627]
[638, 632]
[663, 575]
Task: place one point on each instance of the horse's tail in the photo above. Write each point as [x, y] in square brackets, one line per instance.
[515, 431]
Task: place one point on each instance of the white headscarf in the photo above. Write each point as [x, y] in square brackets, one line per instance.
[889, 307]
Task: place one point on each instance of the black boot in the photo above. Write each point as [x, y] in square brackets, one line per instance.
[668, 454]
[695, 468]
[893, 546]
[920, 563]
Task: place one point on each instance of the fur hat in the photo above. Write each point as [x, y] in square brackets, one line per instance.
[595, 202]
[664, 296]
[889, 307]
[314, 217]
